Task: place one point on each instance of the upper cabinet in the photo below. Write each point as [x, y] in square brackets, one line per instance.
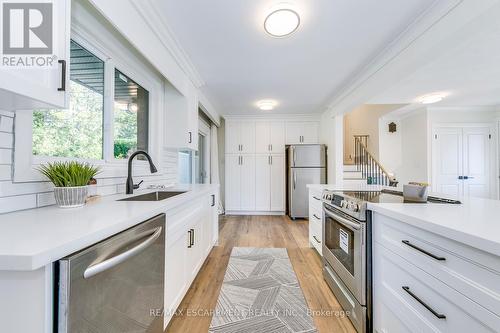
[299, 132]
[38, 71]
[181, 118]
[270, 137]
[240, 137]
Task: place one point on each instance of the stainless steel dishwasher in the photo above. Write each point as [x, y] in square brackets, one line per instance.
[116, 285]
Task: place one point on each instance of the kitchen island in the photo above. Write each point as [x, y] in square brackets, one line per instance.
[31, 241]
[436, 267]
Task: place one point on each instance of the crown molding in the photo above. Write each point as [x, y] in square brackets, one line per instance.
[149, 12]
[276, 116]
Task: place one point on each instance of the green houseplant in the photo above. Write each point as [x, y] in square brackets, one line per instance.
[70, 180]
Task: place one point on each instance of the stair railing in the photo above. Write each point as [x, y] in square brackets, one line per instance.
[370, 167]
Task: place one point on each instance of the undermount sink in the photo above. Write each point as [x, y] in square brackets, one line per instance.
[153, 196]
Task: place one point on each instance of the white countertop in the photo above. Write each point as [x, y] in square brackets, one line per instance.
[476, 222]
[33, 238]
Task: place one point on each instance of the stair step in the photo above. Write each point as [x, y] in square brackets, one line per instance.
[350, 167]
[353, 174]
[354, 182]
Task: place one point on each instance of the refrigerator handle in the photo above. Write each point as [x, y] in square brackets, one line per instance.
[294, 179]
[293, 155]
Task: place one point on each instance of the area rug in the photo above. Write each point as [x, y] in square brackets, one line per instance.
[261, 294]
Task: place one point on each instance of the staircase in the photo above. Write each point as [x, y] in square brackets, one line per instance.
[366, 168]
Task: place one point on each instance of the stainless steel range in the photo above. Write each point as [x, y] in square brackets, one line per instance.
[347, 256]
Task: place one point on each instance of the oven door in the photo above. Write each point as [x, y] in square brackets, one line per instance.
[344, 249]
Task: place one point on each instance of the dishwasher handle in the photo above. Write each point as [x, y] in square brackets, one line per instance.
[118, 259]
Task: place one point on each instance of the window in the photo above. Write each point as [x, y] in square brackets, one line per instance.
[76, 132]
[185, 167]
[131, 106]
[79, 131]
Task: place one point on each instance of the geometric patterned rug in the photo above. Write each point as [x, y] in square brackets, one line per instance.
[261, 294]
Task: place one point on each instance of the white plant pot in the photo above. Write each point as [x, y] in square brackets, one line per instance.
[70, 197]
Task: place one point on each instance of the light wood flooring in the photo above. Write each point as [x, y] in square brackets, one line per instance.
[261, 231]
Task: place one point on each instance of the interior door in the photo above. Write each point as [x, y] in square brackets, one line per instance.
[262, 137]
[277, 181]
[477, 162]
[247, 179]
[447, 161]
[233, 183]
[262, 182]
[277, 137]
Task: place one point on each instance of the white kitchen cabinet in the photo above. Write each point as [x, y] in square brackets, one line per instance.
[240, 182]
[270, 137]
[181, 118]
[298, 132]
[240, 137]
[48, 87]
[316, 220]
[270, 183]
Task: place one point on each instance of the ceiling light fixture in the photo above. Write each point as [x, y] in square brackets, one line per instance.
[266, 105]
[281, 21]
[432, 98]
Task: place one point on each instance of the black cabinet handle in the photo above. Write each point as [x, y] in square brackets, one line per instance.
[316, 216]
[190, 137]
[316, 239]
[407, 242]
[316, 198]
[63, 75]
[213, 200]
[190, 239]
[438, 315]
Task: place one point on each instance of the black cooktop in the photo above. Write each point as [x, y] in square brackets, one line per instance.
[392, 196]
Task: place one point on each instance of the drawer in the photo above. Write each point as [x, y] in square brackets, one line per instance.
[315, 236]
[471, 272]
[315, 201]
[407, 299]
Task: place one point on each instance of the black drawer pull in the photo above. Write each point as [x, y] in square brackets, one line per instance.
[438, 315]
[316, 239]
[407, 242]
[316, 216]
[316, 198]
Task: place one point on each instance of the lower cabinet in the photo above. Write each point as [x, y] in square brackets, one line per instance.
[190, 237]
[240, 182]
[316, 220]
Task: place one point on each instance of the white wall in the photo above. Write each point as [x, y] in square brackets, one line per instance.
[390, 144]
[364, 120]
[332, 136]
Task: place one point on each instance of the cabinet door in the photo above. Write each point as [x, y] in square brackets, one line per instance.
[277, 137]
[192, 117]
[176, 281]
[233, 184]
[277, 183]
[233, 137]
[28, 88]
[263, 182]
[247, 137]
[310, 133]
[247, 179]
[262, 137]
[293, 133]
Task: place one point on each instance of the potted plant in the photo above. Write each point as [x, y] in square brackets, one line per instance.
[70, 180]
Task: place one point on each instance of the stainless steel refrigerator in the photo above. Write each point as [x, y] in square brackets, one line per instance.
[306, 164]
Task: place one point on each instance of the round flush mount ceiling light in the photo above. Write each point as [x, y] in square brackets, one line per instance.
[281, 21]
[266, 104]
[432, 98]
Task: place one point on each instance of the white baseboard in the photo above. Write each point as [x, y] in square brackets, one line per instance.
[251, 212]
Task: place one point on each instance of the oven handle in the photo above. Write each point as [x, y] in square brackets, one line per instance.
[344, 221]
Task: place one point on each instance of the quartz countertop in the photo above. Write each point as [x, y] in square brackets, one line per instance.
[33, 238]
[475, 222]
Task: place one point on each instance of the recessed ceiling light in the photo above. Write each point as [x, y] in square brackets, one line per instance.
[266, 104]
[281, 22]
[432, 98]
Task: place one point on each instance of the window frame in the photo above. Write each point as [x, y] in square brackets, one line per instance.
[26, 164]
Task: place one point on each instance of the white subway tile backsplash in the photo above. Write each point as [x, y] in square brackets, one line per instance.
[8, 188]
[5, 172]
[6, 124]
[45, 199]
[6, 140]
[10, 204]
[5, 156]
[106, 190]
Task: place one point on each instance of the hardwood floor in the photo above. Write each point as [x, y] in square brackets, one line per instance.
[260, 231]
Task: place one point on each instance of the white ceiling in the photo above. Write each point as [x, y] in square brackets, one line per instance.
[240, 64]
[466, 67]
